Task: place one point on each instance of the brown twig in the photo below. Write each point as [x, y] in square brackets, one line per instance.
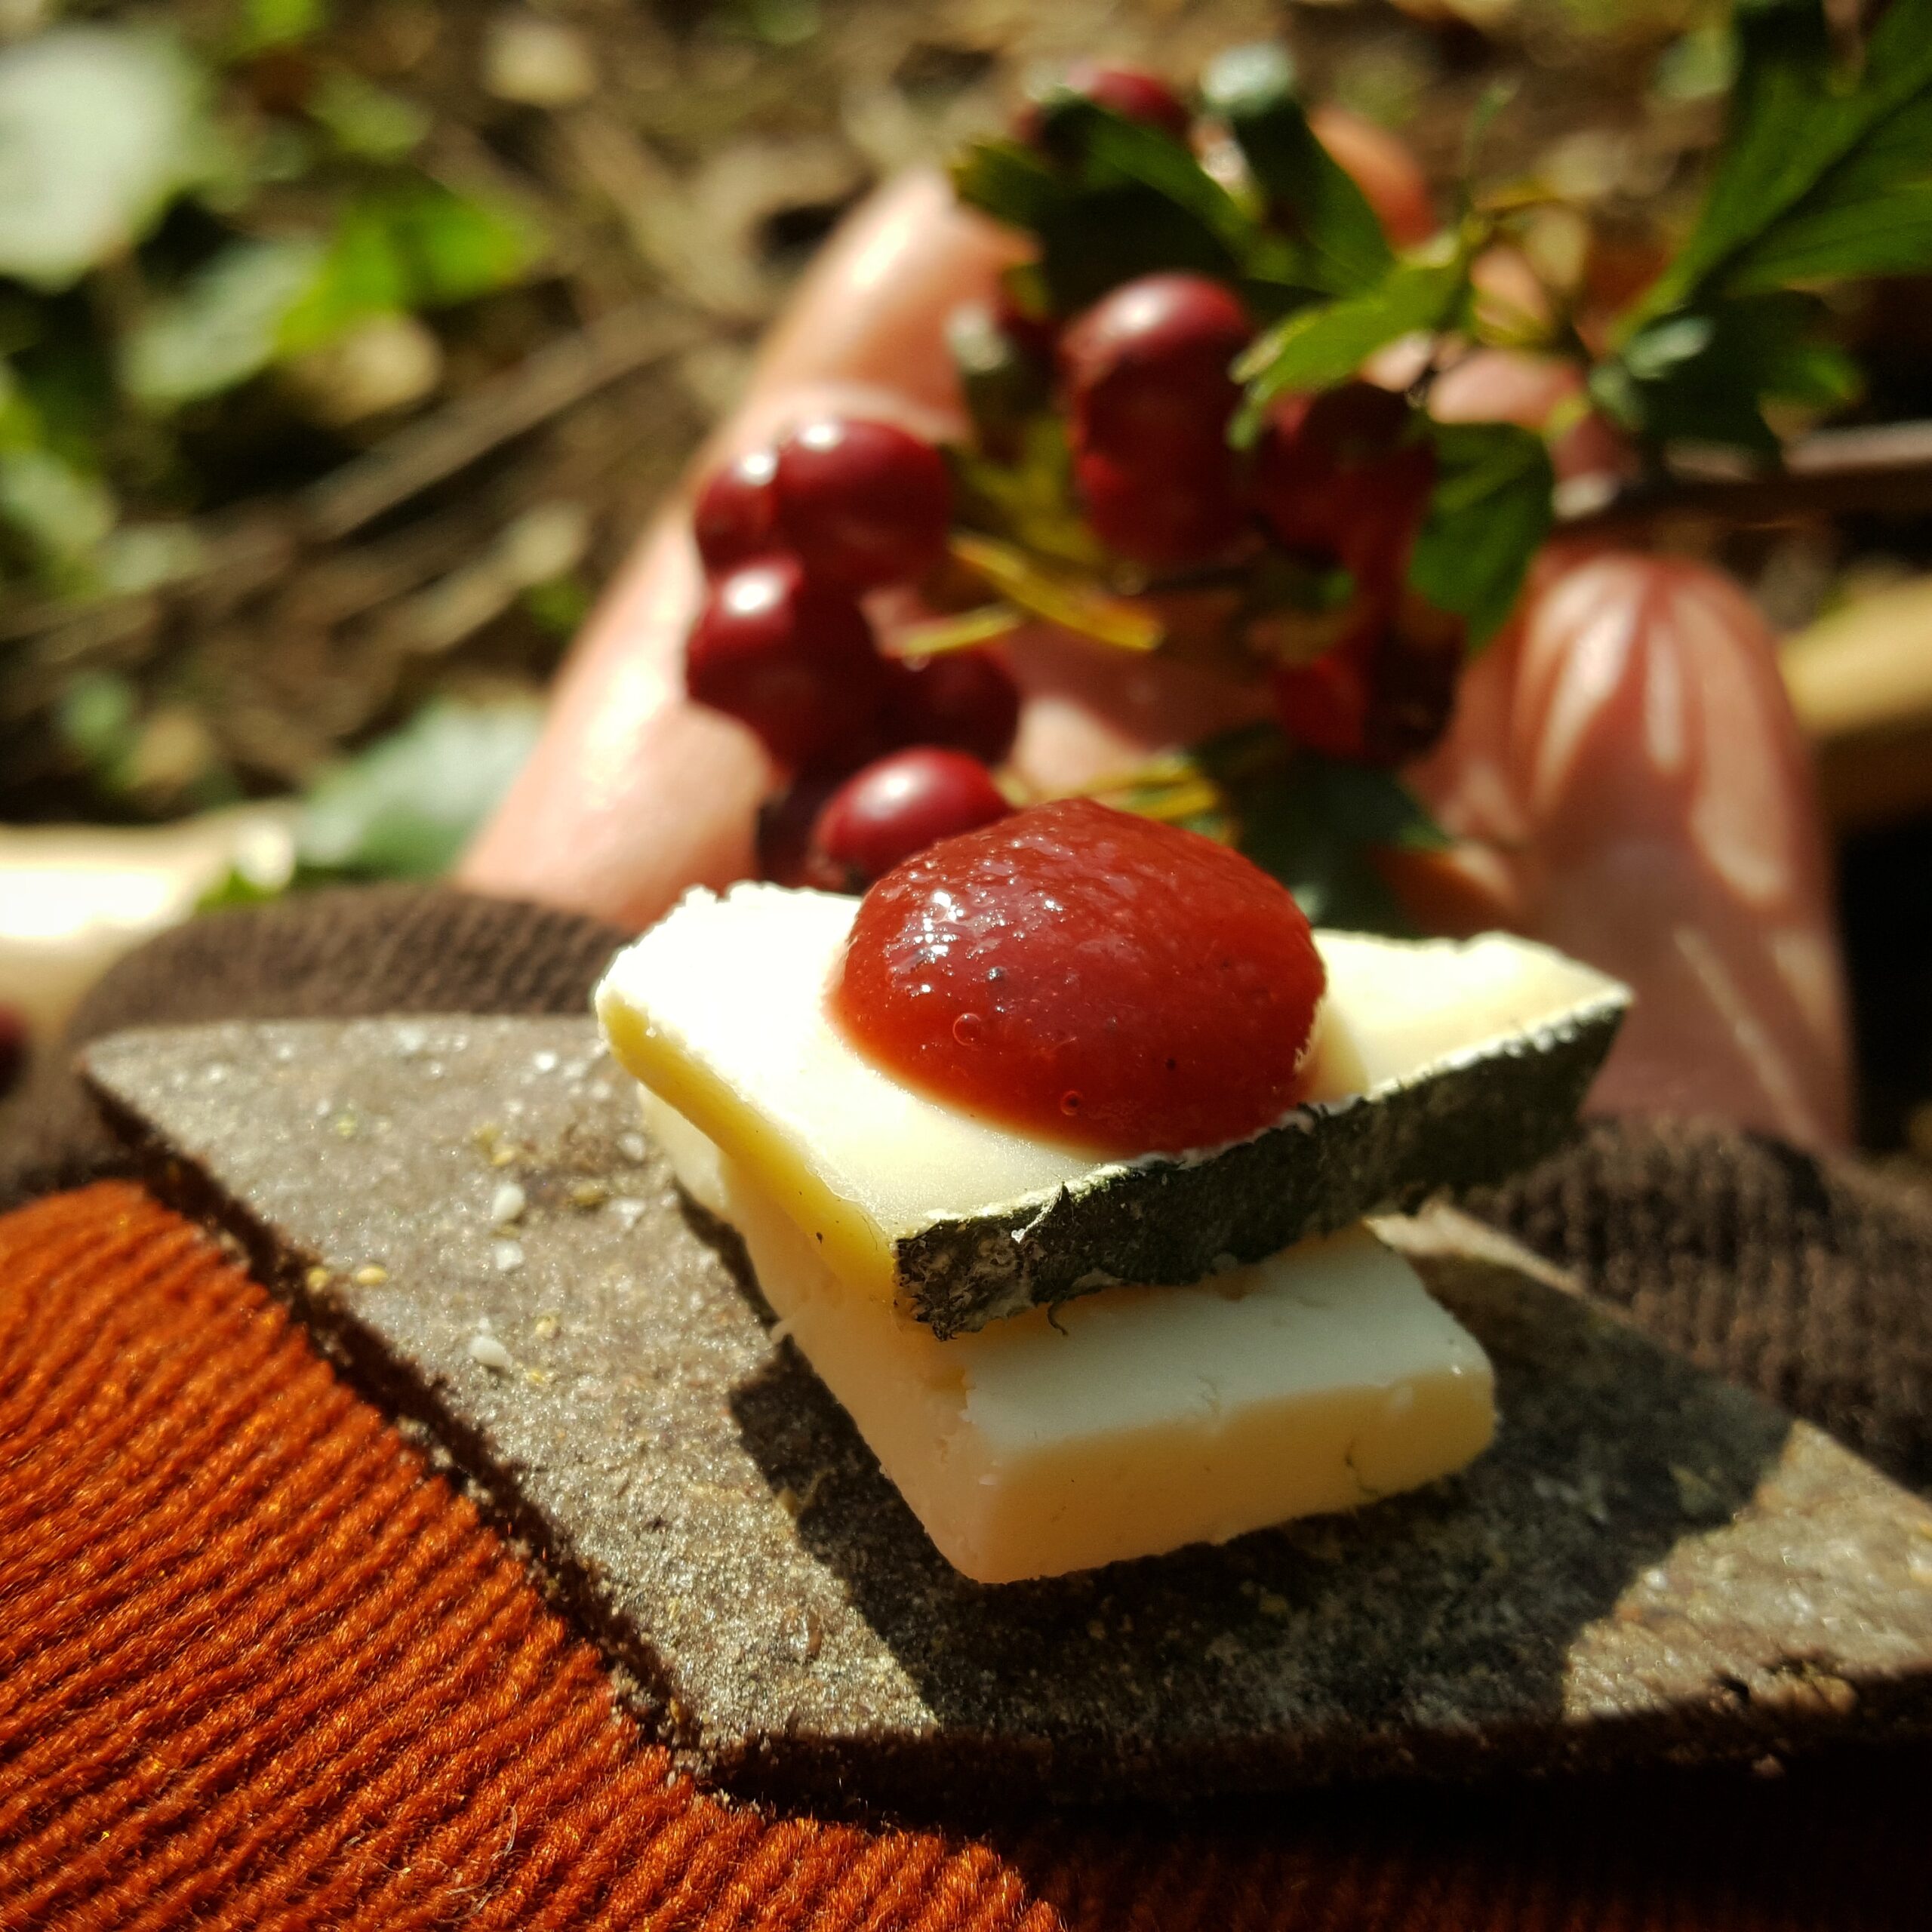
[253, 545]
[556, 378]
[1886, 467]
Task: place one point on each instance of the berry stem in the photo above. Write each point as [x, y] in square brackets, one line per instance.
[938, 637]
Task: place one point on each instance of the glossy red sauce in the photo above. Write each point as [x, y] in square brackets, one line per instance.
[1085, 974]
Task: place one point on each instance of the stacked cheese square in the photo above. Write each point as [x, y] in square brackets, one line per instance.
[1127, 1420]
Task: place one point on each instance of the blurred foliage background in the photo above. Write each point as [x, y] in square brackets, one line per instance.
[346, 344]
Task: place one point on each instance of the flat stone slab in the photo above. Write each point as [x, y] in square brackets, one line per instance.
[1649, 1563]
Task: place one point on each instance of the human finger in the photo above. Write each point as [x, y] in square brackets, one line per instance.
[634, 793]
[1627, 764]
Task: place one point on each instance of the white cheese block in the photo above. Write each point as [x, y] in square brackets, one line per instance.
[1318, 1380]
[720, 1010]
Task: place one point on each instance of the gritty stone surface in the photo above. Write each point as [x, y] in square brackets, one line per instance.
[1648, 1563]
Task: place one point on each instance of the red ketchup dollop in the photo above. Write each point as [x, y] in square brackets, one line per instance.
[1087, 975]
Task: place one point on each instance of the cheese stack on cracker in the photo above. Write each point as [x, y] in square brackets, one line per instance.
[1064, 1356]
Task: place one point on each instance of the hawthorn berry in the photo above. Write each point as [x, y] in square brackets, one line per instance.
[735, 518]
[965, 700]
[1035, 336]
[862, 504]
[1382, 697]
[1336, 475]
[1146, 369]
[790, 658]
[1131, 92]
[784, 830]
[1163, 515]
[1324, 705]
[897, 807]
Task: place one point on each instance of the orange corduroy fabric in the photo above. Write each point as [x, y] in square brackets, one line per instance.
[263, 1669]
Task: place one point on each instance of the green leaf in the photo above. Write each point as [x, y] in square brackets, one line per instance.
[1770, 151]
[223, 326]
[1796, 147]
[1822, 174]
[1698, 65]
[1702, 376]
[100, 128]
[1176, 790]
[408, 246]
[1313, 822]
[98, 719]
[365, 120]
[1114, 234]
[1307, 585]
[236, 887]
[1114, 151]
[962, 630]
[1005, 387]
[1075, 603]
[64, 399]
[558, 604]
[266, 24]
[456, 248]
[1318, 347]
[138, 557]
[61, 514]
[1307, 191]
[782, 22]
[1010, 181]
[1495, 98]
[1871, 215]
[406, 806]
[1488, 516]
[1030, 499]
[364, 275]
[1110, 200]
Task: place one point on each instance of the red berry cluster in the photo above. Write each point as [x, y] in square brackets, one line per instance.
[887, 756]
[792, 538]
[1337, 480]
[1144, 387]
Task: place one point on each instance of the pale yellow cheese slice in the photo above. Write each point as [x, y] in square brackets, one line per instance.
[720, 1010]
[1318, 1380]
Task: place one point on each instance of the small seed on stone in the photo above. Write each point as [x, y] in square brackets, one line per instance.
[490, 1353]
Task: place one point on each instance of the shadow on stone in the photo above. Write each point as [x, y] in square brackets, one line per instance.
[1409, 1636]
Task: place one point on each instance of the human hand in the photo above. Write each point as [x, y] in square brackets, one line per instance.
[1623, 774]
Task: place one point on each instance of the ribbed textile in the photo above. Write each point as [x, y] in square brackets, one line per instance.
[341, 953]
[1808, 1280]
[262, 1668]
